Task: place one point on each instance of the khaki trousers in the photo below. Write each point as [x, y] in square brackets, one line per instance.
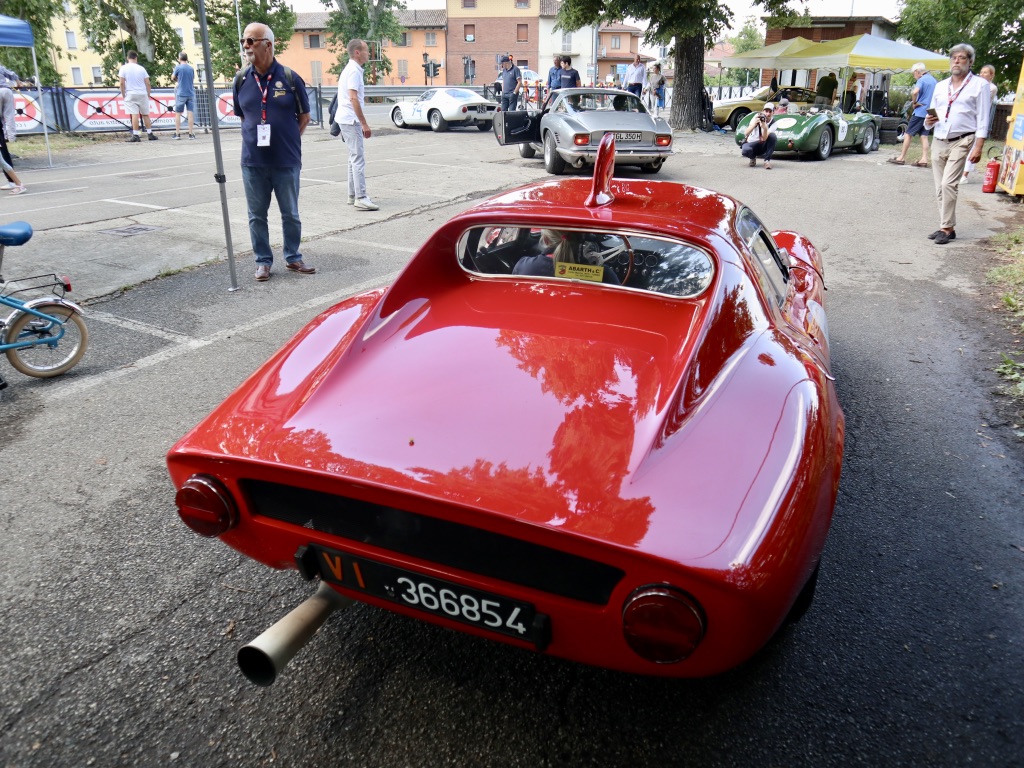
[948, 161]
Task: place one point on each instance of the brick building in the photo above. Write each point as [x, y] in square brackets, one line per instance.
[824, 28]
[482, 31]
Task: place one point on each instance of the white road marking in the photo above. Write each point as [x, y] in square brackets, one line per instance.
[128, 202]
[184, 344]
[140, 327]
[369, 244]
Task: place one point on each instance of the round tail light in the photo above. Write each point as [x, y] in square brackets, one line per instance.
[205, 506]
[662, 624]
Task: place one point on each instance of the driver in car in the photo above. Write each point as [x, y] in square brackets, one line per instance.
[557, 246]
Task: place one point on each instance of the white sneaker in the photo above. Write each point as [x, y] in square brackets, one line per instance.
[365, 204]
[963, 179]
[9, 185]
[351, 200]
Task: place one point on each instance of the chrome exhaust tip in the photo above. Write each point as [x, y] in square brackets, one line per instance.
[262, 660]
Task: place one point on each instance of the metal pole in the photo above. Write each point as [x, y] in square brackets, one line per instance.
[219, 176]
[241, 50]
[42, 109]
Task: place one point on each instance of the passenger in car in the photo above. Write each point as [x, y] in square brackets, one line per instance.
[562, 247]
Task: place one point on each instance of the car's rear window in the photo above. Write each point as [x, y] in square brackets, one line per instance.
[630, 260]
[601, 102]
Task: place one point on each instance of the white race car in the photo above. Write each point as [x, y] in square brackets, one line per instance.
[441, 108]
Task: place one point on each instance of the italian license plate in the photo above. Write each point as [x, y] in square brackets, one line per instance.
[425, 593]
[621, 136]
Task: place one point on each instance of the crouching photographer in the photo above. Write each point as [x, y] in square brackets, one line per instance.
[761, 138]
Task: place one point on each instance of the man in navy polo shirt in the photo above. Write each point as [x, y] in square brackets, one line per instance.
[511, 82]
[275, 111]
[555, 74]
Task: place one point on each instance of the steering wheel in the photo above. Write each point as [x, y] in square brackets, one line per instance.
[603, 258]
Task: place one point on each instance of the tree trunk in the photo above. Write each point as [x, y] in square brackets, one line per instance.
[136, 26]
[688, 83]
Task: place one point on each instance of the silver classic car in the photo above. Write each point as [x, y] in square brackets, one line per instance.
[570, 126]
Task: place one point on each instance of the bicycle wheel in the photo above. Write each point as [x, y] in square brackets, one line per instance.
[43, 360]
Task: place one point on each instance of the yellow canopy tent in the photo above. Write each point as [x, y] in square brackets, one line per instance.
[765, 58]
[865, 53]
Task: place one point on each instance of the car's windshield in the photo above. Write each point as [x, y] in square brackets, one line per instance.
[631, 260]
[460, 93]
[595, 101]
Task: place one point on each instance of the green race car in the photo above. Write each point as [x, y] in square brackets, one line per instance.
[818, 132]
[731, 111]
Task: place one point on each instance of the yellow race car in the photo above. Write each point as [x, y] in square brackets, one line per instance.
[731, 111]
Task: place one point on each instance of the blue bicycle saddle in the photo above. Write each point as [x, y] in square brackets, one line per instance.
[15, 233]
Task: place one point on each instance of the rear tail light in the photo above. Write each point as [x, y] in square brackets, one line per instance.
[465, 109]
[67, 283]
[206, 506]
[662, 624]
[663, 139]
[581, 139]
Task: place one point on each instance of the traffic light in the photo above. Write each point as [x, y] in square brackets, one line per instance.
[427, 71]
[435, 69]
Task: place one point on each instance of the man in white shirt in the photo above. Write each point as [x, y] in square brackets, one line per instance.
[761, 137]
[354, 128]
[636, 76]
[135, 93]
[959, 115]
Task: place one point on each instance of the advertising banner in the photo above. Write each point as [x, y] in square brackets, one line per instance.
[104, 110]
[1011, 174]
[84, 110]
[28, 117]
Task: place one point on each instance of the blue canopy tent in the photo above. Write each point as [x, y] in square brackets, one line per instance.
[15, 33]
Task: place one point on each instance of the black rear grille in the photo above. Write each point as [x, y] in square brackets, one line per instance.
[438, 541]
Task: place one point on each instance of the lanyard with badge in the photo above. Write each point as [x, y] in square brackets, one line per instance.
[953, 97]
[263, 129]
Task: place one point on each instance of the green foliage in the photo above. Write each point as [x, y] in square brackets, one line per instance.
[790, 18]
[225, 54]
[1009, 277]
[372, 21]
[40, 15]
[690, 22]
[112, 27]
[749, 38]
[1013, 372]
[993, 28]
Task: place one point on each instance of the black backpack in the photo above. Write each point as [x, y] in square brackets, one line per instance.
[331, 112]
[289, 75]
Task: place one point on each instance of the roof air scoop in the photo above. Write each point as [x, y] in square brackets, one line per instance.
[604, 169]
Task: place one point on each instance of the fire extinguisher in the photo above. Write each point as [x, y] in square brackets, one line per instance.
[991, 175]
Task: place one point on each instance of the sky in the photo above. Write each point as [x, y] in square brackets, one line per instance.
[888, 9]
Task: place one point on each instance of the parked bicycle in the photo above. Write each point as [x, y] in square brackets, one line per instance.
[43, 336]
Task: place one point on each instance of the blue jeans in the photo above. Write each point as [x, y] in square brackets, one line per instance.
[509, 102]
[753, 149]
[259, 182]
[352, 133]
[635, 88]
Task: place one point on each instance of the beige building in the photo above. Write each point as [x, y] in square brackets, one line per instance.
[423, 35]
[80, 65]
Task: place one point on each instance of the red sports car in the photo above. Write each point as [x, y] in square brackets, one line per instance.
[593, 421]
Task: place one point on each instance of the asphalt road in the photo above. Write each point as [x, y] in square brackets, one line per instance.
[120, 626]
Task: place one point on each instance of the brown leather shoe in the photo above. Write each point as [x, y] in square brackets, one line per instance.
[301, 267]
[262, 273]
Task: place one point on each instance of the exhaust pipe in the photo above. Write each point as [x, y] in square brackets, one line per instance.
[265, 658]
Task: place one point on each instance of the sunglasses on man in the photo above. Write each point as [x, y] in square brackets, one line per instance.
[251, 41]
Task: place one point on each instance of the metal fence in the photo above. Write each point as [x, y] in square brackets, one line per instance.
[100, 109]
